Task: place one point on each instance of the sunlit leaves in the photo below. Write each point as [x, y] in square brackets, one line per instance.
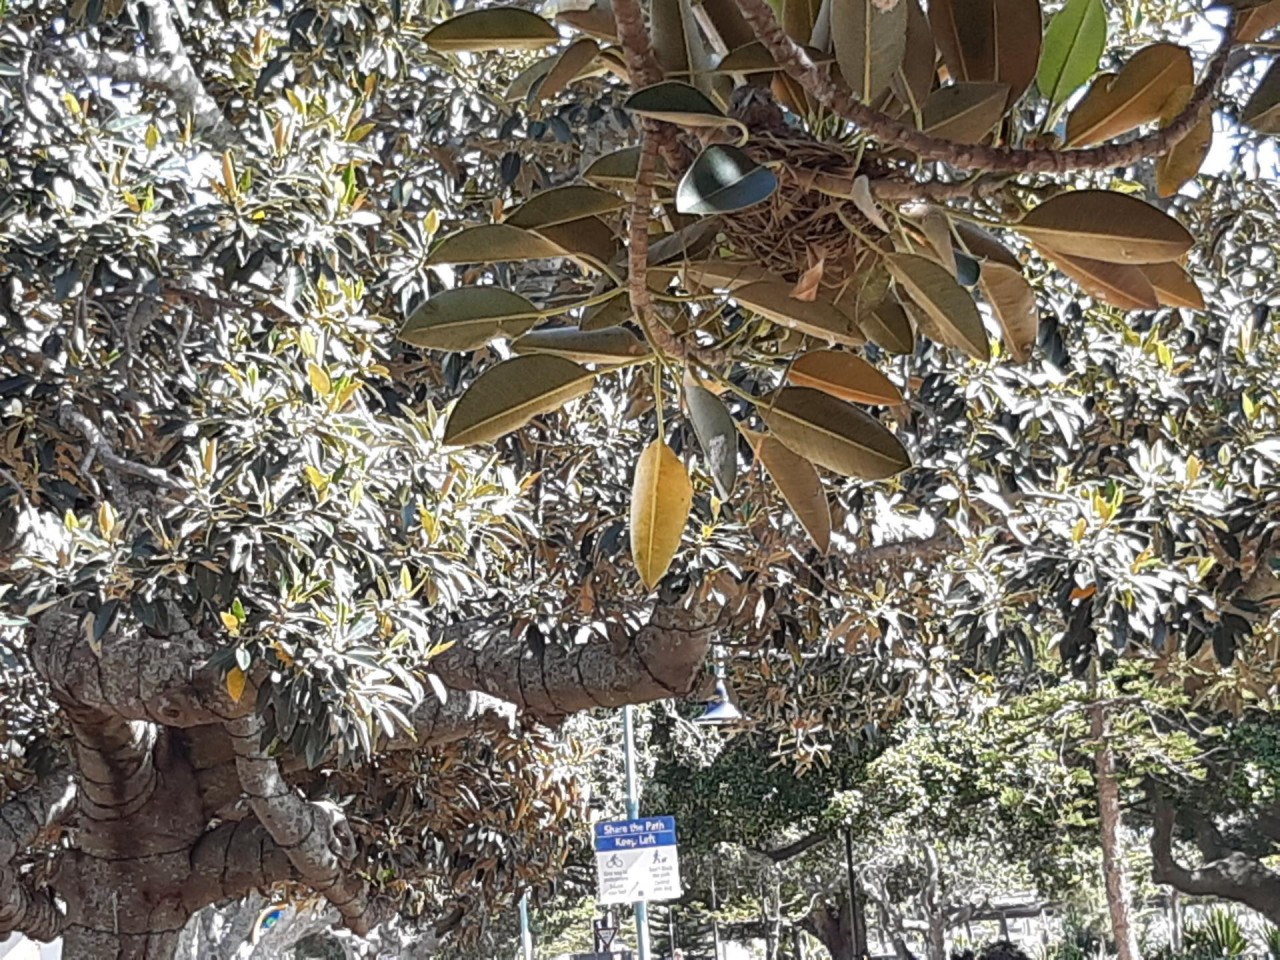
[661, 497]
[1073, 45]
[834, 434]
[510, 394]
[493, 243]
[1013, 302]
[1102, 225]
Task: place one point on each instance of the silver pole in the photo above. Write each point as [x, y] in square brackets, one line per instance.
[526, 935]
[633, 812]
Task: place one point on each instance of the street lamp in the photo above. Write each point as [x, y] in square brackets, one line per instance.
[720, 709]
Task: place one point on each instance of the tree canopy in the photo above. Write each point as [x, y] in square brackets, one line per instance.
[382, 384]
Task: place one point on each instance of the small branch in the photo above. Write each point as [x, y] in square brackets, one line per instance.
[645, 71]
[100, 448]
[314, 836]
[838, 99]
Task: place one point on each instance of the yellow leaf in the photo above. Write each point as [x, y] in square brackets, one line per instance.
[1077, 532]
[228, 174]
[1194, 466]
[661, 497]
[153, 136]
[231, 622]
[317, 479]
[209, 455]
[106, 519]
[282, 654]
[320, 382]
[235, 683]
[345, 394]
[406, 580]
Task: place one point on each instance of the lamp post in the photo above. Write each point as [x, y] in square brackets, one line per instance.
[633, 813]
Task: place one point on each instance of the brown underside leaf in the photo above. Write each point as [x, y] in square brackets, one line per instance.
[1103, 225]
[916, 76]
[946, 304]
[870, 40]
[1253, 23]
[798, 482]
[819, 318]
[844, 375]
[493, 243]
[568, 66]
[1122, 285]
[1013, 301]
[834, 434]
[565, 204]
[1173, 286]
[989, 41]
[1137, 95]
[965, 112]
[1186, 158]
[888, 327]
[981, 244]
[496, 28]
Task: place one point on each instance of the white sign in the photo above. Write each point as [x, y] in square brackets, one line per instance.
[627, 876]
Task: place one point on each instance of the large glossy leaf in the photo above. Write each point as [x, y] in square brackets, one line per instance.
[918, 72]
[591, 17]
[1013, 301]
[677, 42]
[981, 244]
[467, 317]
[888, 327]
[507, 396]
[1103, 225]
[1122, 285]
[799, 18]
[816, 318]
[661, 497]
[1262, 110]
[575, 59]
[1137, 95]
[870, 39]
[1186, 158]
[843, 375]
[589, 238]
[834, 434]
[947, 305]
[613, 312]
[609, 345]
[620, 168]
[723, 179]
[1173, 286]
[798, 482]
[717, 436]
[989, 41]
[497, 28]
[725, 20]
[965, 112]
[1073, 46]
[563, 205]
[678, 103]
[493, 243]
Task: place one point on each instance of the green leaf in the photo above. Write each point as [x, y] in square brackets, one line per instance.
[661, 498]
[799, 484]
[870, 40]
[717, 436]
[965, 112]
[1262, 110]
[1103, 225]
[1073, 46]
[948, 306]
[609, 345]
[563, 205]
[888, 327]
[507, 396]
[589, 240]
[492, 243]
[817, 318]
[620, 168]
[834, 434]
[915, 78]
[468, 317]
[498, 28]
[678, 103]
[723, 179]
[843, 375]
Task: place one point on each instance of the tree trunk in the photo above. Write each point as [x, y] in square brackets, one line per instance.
[937, 945]
[829, 922]
[1113, 870]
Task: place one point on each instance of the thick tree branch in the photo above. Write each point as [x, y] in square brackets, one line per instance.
[1234, 876]
[231, 861]
[314, 836]
[794, 849]
[797, 64]
[170, 69]
[549, 682]
[463, 714]
[26, 815]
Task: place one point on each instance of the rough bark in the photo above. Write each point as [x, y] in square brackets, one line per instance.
[829, 924]
[1229, 874]
[1113, 870]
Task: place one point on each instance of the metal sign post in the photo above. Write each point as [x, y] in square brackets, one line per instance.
[633, 811]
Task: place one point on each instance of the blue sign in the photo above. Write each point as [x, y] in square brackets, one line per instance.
[647, 827]
[638, 842]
